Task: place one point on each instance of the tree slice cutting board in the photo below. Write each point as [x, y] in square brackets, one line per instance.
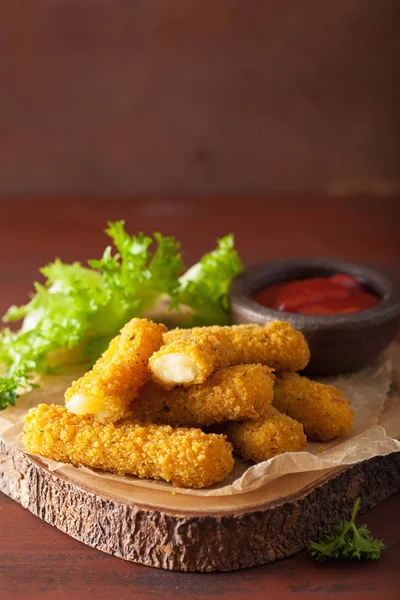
[193, 533]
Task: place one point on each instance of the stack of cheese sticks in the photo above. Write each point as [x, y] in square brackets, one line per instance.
[140, 410]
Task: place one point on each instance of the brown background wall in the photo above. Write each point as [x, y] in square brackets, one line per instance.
[196, 96]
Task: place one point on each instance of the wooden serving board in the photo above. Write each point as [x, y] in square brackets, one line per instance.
[196, 533]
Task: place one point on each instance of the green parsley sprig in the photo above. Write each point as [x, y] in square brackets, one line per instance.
[348, 541]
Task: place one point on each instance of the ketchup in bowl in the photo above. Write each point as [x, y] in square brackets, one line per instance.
[335, 295]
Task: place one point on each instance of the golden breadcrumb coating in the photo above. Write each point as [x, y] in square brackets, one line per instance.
[108, 388]
[322, 409]
[190, 356]
[272, 434]
[185, 457]
[232, 394]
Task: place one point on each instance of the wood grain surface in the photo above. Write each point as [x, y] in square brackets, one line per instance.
[187, 539]
[36, 560]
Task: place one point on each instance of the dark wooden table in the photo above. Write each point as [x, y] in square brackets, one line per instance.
[39, 562]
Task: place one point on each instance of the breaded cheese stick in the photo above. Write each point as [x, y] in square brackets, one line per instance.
[185, 457]
[231, 394]
[322, 409]
[190, 356]
[108, 388]
[272, 434]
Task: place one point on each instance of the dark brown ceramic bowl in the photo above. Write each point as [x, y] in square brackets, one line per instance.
[338, 343]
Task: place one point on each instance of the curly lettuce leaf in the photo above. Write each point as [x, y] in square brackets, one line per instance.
[134, 275]
[205, 286]
[58, 317]
[84, 307]
[10, 384]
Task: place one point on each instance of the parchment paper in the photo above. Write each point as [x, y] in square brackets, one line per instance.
[376, 427]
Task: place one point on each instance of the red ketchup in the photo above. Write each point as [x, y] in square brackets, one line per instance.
[335, 295]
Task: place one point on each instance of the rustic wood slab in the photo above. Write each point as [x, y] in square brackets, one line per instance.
[155, 530]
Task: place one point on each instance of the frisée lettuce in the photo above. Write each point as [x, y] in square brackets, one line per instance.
[82, 308]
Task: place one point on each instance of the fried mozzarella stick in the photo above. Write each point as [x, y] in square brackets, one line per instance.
[272, 434]
[322, 409]
[185, 457]
[190, 356]
[231, 394]
[108, 388]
